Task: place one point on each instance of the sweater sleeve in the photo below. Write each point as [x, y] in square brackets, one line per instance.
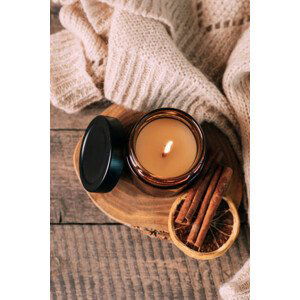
[71, 87]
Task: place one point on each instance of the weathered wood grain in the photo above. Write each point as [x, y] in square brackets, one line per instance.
[115, 262]
[62, 120]
[69, 202]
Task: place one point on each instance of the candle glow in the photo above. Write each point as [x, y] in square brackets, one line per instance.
[167, 148]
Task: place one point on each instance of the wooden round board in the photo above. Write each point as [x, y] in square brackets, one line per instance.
[128, 205]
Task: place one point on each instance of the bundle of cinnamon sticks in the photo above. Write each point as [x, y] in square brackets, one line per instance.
[203, 199]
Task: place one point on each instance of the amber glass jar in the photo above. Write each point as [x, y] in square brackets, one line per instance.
[153, 184]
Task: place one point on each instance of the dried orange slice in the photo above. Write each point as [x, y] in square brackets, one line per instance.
[222, 232]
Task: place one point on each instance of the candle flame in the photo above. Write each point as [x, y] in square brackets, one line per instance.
[167, 148]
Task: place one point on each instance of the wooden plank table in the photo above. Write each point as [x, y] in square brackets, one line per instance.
[92, 257]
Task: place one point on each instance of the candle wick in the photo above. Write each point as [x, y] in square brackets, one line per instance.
[167, 148]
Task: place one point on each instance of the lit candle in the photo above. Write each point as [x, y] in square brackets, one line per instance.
[166, 148]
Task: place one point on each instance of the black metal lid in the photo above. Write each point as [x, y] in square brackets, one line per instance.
[101, 158]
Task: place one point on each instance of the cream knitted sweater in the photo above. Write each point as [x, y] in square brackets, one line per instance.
[193, 55]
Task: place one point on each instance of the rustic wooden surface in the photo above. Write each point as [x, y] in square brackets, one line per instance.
[92, 257]
[116, 262]
[128, 205]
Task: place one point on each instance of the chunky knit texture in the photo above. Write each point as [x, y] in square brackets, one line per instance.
[188, 54]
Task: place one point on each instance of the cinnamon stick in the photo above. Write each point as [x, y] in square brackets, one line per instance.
[199, 193]
[197, 223]
[186, 204]
[215, 201]
[191, 193]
